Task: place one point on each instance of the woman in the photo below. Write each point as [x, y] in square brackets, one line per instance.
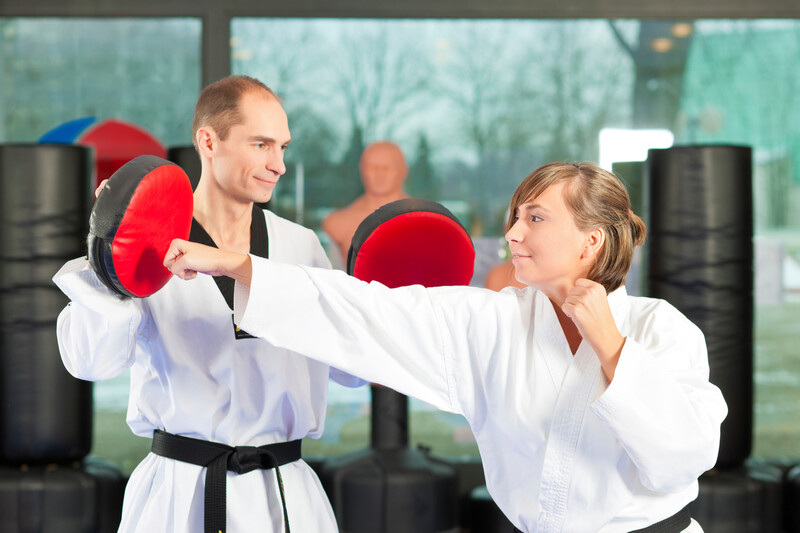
[592, 409]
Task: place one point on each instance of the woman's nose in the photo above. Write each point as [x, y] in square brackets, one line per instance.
[513, 233]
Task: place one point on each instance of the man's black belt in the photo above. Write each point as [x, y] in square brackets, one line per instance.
[674, 524]
[219, 459]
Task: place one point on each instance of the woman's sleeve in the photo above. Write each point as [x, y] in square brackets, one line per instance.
[97, 330]
[394, 337]
[662, 406]
[320, 259]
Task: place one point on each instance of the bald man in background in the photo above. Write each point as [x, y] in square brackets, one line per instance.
[383, 171]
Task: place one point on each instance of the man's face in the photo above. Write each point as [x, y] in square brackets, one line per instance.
[249, 162]
[383, 169]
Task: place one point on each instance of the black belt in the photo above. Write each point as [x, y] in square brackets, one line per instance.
[674, 524]
[219, 458]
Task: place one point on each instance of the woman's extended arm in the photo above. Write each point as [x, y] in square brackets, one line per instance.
[394, 337]
[185, 259]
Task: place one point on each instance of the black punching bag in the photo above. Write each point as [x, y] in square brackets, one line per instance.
[45, 195]
[740, 500]
[485, 515]
[186, 157]
[69, 498]
[791, 504]
[701, 261]
[391, 488]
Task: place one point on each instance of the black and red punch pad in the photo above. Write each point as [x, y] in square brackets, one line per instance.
[412, 242]
[143, 206]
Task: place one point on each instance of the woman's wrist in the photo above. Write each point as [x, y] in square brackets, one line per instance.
[239, 267]
[610, 353]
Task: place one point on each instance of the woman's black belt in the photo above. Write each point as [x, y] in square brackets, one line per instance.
[219, 459]
[674, 524]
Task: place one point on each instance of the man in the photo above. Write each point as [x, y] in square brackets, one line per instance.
[383, 170]
[196, 378]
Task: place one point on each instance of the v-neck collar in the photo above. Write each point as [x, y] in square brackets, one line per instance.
[259, 245]
[552, 342]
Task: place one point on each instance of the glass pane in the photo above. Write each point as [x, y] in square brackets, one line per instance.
[475, 105]
[471, 104]
[478, 104]
[143, 71]
[741, 87]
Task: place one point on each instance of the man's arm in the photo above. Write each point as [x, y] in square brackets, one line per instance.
[97, 331]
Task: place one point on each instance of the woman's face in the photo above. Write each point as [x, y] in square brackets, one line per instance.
[548, 250]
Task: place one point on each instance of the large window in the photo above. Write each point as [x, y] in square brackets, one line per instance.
[741, 87]
[476, 105]
[143, 71]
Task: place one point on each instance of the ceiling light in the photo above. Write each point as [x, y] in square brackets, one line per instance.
[662, 44]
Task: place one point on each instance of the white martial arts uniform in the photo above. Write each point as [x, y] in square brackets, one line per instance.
[190, 376]
[562, 449]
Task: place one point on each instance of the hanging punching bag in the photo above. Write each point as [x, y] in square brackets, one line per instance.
[740, 500]
[392, 488]
[701, 261]
[45, 194]
[70, 498]
[186, 157]
[791, 504]
[485, 515]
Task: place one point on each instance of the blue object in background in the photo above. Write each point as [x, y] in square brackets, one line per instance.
[67, 132]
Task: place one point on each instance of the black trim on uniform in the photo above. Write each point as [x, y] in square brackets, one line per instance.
[259, 245]
[221, 458]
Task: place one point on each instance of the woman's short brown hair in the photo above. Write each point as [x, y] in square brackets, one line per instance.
[596, 198]
[218, 104]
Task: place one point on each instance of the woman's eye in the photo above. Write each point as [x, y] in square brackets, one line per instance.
[535, 218]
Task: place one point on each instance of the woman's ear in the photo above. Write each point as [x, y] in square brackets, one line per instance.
[594, 243]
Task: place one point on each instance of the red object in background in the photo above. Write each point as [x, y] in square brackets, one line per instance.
[115, 142]
[412, 242]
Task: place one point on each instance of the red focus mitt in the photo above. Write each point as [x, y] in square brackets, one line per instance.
[412, 242]
[143, 206]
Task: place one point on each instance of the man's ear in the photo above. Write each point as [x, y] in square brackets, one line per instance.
[594, 243]
[206, 139]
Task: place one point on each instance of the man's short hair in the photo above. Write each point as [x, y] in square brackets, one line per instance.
[218, 104]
